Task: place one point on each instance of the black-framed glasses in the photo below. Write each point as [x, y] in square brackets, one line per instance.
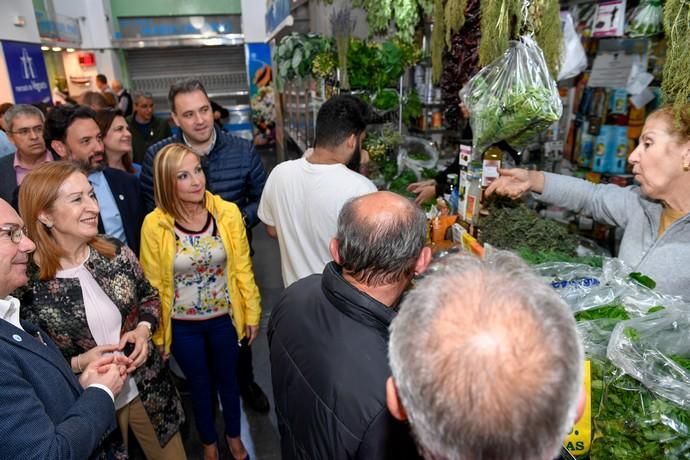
[37, 130]
[14, 232]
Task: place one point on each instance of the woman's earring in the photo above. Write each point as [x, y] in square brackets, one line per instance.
[686, 168]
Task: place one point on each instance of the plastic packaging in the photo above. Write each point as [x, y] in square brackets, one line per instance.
[651, 350]
[513, 99]
[574, 58]
[646, 20]
[417, 154]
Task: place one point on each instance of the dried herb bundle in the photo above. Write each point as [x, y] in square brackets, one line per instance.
[676, 78]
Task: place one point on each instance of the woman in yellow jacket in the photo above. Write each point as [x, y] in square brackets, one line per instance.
[194, 250]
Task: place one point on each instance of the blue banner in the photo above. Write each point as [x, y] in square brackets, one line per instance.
[276, 12]
[27, 71]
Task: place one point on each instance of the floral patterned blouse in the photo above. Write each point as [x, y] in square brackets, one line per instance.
[201, 285]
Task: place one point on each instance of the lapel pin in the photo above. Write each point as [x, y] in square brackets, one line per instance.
[17, 337]
[121, 197]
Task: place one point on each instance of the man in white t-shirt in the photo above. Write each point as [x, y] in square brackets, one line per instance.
[302, 198]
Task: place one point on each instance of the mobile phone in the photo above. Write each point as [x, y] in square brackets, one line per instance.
[129, 348]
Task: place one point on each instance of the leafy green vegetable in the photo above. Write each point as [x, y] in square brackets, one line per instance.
[429, 173]
[412, 108]
[541, 256]
[512, 225]
[400, 183]
[682, 361]
[386, 99]
[632, 334]
[610, 311]
[630, 423]
[644, 280]
[655, 309]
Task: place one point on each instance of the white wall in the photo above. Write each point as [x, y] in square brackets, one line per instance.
[254, 21]
[10, 10]
[94, 22]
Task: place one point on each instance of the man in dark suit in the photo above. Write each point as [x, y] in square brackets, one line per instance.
[46, 412]
[72, 133]
[25, 130]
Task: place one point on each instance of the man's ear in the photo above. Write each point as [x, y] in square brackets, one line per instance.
[333, 248]
[352, 141]
[174, 118]
[60, 148]
[423, 261]
[393, 402]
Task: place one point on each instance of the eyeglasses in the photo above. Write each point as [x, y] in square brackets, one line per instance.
[37, 130]
[15, 232]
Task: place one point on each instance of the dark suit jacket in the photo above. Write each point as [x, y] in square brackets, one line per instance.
[125, 189]
[45, 414]
[8, 178]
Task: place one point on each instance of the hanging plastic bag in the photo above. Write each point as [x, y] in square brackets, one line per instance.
[513, 99]
[574, 58]
[646, 20]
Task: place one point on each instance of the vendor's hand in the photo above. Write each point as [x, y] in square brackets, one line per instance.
[424, 190]
[140, 338]
[516, 182]
[251, 332]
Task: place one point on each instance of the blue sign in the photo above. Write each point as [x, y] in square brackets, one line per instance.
[276, 12]
[27, 70]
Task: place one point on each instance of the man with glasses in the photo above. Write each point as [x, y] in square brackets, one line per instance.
[25, 130]
[47, 412]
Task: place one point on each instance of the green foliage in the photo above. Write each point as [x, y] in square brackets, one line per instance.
[541, 256]
[644, 280]
[296, 53]
[500, 20]
[631, 423]
[454, 16]
[412, 109]
[406, 13]
[611, 311]
[676, 78]
[374, 66]
[437, 45]
[514, 226]
[385, 100]
[324, 65]
[548, 33]
[400, 183]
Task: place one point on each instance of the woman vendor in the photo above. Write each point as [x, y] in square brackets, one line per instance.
[654, 215]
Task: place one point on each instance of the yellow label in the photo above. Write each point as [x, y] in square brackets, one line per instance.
[580, 437]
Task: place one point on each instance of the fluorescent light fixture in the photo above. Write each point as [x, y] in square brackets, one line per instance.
[45, 48]
[56, 49]
[70, 50]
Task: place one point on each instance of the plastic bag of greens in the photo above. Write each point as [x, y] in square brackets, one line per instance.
[513, 99]
[630, 422]
[417, 154]
[655, 350]
[646, 19]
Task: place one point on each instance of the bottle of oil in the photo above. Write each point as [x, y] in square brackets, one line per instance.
[493, 156]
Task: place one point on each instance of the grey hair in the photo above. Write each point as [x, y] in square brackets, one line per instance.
[184, 86]
[381, 248]
[487, 361]
[22, 110]
[139, 93]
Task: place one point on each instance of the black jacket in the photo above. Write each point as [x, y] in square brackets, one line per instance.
[157, 130]
[329, 365]
[125, 189]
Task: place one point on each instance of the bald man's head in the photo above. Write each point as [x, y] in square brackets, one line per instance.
[486, 361]
[116, 85]
[380, 236]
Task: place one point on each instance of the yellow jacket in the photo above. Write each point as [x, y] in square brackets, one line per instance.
[158, 255]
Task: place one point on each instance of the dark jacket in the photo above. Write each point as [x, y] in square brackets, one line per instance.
[8, 179]
[45, 414]
[156, 131]
[125, 189]
[329, 364]
[57, 306]
[233, 170]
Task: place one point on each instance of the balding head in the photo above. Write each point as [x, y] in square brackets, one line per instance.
[116, 85]
[487, 361]
[380, 236]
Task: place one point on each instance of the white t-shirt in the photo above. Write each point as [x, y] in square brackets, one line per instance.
[302, 201]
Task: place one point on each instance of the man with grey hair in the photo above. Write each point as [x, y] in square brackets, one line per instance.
[124, 99]
[486, 362]
[328, 336]
[146, 128]
[25, 130]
